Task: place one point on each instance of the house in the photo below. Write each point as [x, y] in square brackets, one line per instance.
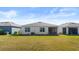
[39, 28]
[69, 28]
[9, 27]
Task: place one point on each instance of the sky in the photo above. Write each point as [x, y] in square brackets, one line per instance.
[26, 15]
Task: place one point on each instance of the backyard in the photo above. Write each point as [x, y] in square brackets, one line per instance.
[39, 43]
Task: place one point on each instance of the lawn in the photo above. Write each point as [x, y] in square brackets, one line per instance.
[39, 43]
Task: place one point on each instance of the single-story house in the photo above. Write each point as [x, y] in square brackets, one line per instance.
[39, 28]
[69, 28]
[9, 27]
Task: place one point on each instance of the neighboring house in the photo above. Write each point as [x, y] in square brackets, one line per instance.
[39, 28]
[69, 28]
[9, 27]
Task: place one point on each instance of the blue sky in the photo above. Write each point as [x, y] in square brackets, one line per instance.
[53, 15]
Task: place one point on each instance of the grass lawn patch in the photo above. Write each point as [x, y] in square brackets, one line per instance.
[39, 43]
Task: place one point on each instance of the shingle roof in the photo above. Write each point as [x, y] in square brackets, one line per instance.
[39, 24]
[70, 24]
[9, 24]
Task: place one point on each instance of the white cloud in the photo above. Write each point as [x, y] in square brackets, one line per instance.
[8, 14]
[63, 12]
[53, 10]
[64, 15]
[67, 9]
[51, 17]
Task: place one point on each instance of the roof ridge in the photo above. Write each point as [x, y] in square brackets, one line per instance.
[39, 24]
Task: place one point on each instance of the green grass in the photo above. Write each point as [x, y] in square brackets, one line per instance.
[39, 43]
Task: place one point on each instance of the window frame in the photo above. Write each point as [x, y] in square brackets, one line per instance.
[27, 29]
[42, 29]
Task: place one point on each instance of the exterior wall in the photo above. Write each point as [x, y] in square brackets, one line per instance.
[78, 30]
[9, 29]
[36, 30]
[14, 29]
[67, 30]
[6, 28]
[59, 30]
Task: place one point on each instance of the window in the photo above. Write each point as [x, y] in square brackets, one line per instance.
[27, 29]
[42, 29]
[54, 30]
[64, 30]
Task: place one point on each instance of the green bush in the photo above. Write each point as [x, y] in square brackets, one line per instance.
[15, 33]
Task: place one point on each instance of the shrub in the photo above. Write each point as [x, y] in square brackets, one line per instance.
[32, 33]
[15, 33]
